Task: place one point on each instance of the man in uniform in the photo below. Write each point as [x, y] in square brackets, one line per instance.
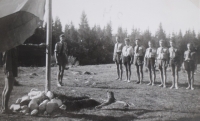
[139, 52]
[117, 57]
[162, 60]
[61, 58]
[10, 70]
[174, 63]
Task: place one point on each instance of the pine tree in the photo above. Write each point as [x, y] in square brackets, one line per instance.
[160, 34]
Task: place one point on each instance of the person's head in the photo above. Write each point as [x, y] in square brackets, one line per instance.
[150, 44]
[137, 41]
[62, 37]
[172, 44]
[117, 38]
[161, 43]
[189, 46]
[127, 41]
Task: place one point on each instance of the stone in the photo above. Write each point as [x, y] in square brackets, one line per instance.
[63, 107]
[15, 107]
[18, 100]
[33, 105]
[50, 95]
[42, 106]
[58, 101]
[34, 112]
[51, 106]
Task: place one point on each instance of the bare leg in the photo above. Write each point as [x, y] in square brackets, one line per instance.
[192, 80]
[176, 77]
[117, 71]
[126, 71]
[138, 74]
[141, 73]
[188, 79]
[154, 76]
[62, 72]
[121, 71]
[161, 76]
[173, 76]
[129, 69]
[150, 76]
[4, 93]
[165, 77]
[9, 81]
[58, 74]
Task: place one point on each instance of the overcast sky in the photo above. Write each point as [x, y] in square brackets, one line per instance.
[174, 15]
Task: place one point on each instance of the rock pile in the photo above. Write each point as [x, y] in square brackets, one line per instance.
[36, 102]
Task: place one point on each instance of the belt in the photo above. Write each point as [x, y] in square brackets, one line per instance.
[118, 53]
[189, 60]
[151, 58]
[162, 59]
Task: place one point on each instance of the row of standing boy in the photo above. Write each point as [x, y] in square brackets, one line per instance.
[163, 57]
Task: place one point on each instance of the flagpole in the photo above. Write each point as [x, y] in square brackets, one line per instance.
[49, 46]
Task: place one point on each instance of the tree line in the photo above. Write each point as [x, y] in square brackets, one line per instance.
[94, 45]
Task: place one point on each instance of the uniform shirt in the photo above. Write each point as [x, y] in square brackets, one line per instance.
[117, 48]
[150, 53]
[162, 53]
[58, 47]
[127, 51]
[173, 52]
[189, 55]
[139, 50]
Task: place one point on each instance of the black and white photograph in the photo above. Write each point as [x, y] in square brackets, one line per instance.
[99, 60]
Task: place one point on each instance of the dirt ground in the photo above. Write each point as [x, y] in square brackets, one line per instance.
[152, 103]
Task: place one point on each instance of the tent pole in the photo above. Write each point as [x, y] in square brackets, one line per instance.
[49, 45]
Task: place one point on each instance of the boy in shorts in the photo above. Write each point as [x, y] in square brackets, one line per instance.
[117, 58]
[139, 52]
[174, 63]
[190, 65]
[149, 60]
[162, 60]
[127, 58]
[10, 70]
[61, 58]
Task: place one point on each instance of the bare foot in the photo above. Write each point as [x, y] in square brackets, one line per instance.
[149, 83]
[188, 87]
[192, 88]
[128, 81]
[117, 78]
[172, 87]
[164, 86]
[153, 84]
[125, 80]
[160, 85]
[58, 84]
[176, 87]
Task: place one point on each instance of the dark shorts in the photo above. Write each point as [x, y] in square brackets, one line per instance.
[10, 63]
[62, 60]
[162, 64]
[13, 69]
[189, 65]
[151, 63]
[126, 60]
[118, 58]
[138, 60]
[175, 63]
